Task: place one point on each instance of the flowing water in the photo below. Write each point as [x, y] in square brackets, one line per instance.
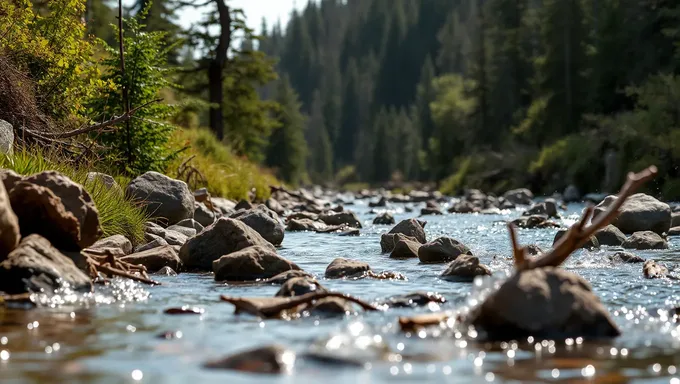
[112, 336]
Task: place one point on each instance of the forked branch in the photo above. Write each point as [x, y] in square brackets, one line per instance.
[580, 232]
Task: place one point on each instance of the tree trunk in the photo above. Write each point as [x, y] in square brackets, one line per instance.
[216, 70]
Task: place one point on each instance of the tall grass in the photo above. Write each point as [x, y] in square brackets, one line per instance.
[117, 214]
[226, 174]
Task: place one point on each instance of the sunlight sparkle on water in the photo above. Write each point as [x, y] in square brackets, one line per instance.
[588, 371]
[4, 355]
[137, 375]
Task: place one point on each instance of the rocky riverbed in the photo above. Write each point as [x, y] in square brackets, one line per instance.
[125, 331]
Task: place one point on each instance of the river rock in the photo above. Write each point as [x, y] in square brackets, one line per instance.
[571, 194]
[404, 247]
[155, 243]
[221, 238]
[303, 215]
[76, 200]
[384, 218]
[592, 243]
[251, 263]
[640, 212]
[188, 232]
[156, 258]
[106, 180]
[442, 250]
[273, 359]
[36, 266]
[201, 195]
[265, 221]
[342, 218]
[330, 306]
[379, 204]
[675, 219]
[275, 206]
[626, 257]
[430, 211]
[6, 138]
[287, 275]
[175, 238]
[534, 221]
[225, 206]
[162, 197]
[464, 207]
[464, 269]
[295, 225]
[414, 299]
[546, 303]
[203, 214]
[547, 207]
[299, 286]
[9, 225]
[116, 241]
[41, 212]
[675, 231]
[521, 196]
[610, 235]
[652, 270]
[340, 268]
[243, 204]
[191, 223]
[412, 228]
[645, 240]
[9, 178]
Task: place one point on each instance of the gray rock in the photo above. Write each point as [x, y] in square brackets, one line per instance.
[295, 225]
[191, 223]
[265, 221]
[106, 180]
[405, 247]
[571, 194]
[175, 238]
[275, 206]
[36, 266]
[414, 299]
[156, 258]
[640, 212]
[201, 195]
[380, 203]
[287, 275]
[243, 204]
[341, 268]
[153, 228]
[6, 138]
[222, 238]
[592, 243]
[303, 215]
[547, 207]
[227, 207]
[203, 215]
[675, 219]
[675, 231]
[464, 269]
[116, 241]
[626, 257]
[412, 228]
[610, 235]
[430, 211]
[299, 286]
[341, 218]
[155, 243]
[521, 196]
[251, 263]
[442, 250]
[163, 198]
[9, 225]
[385, 218]
[534, 221]
[546, 303]
[9, 178]
[266, 360]
[330, 306]
[188, 232]
[645, 240]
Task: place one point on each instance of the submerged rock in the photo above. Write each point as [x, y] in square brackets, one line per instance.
[404, 247]
[341, 268]
[626, 257]
[414, 299]
[610, 235]
[533, 250]
[342, 218]
[287, 275]
[592, 243]
[162, 197]
[298, 286]
[330, 306]
[645, 240]
[385, 218]
[442, 250]
[268, 360]
[9, 225]
[251, 263]
[464, 269]
[640, 212]
[36, 266]
[221, 238]
[265, 221]
[546, 303]
[156, 258]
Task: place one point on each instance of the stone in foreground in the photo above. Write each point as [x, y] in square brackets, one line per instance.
[36, 266]
[252, 263]
[464, 269]
[221, 238]
[442, 250]
[162, 197]
[267, 360]
[645, 240]
[546, 303]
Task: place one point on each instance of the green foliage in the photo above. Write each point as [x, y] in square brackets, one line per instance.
[117, 214]
[287, 150]
[320, 159]
[454, 184]
[140, 144]
[226, 174]
[51, 49]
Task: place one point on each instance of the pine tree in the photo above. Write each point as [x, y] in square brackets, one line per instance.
[320, 159]
[287, 148]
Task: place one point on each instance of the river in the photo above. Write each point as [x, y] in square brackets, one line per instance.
[112, 335]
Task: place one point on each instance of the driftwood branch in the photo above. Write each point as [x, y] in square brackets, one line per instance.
[580, 232]
[107, 263]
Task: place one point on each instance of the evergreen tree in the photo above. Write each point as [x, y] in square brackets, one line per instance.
[287, 149]
[320, 159]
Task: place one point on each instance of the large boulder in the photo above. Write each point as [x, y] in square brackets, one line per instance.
[265, 221]
[610, 235]
[640, 212]
[341, 267]
[405, 247]
[6, 138]
[76, 201]
[546, 303]
[521, 196]
[251, 263]
[114, 242]
[348, 218]
[645, 240]
[164, 198]
[155, 259]
[36, 266]
[464, 269]
[9, 225]
[221, 238]
[442, 250]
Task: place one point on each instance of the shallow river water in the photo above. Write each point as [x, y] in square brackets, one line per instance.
[112, 336]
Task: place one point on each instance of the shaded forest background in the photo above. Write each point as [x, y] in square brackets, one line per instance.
[492, 94]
